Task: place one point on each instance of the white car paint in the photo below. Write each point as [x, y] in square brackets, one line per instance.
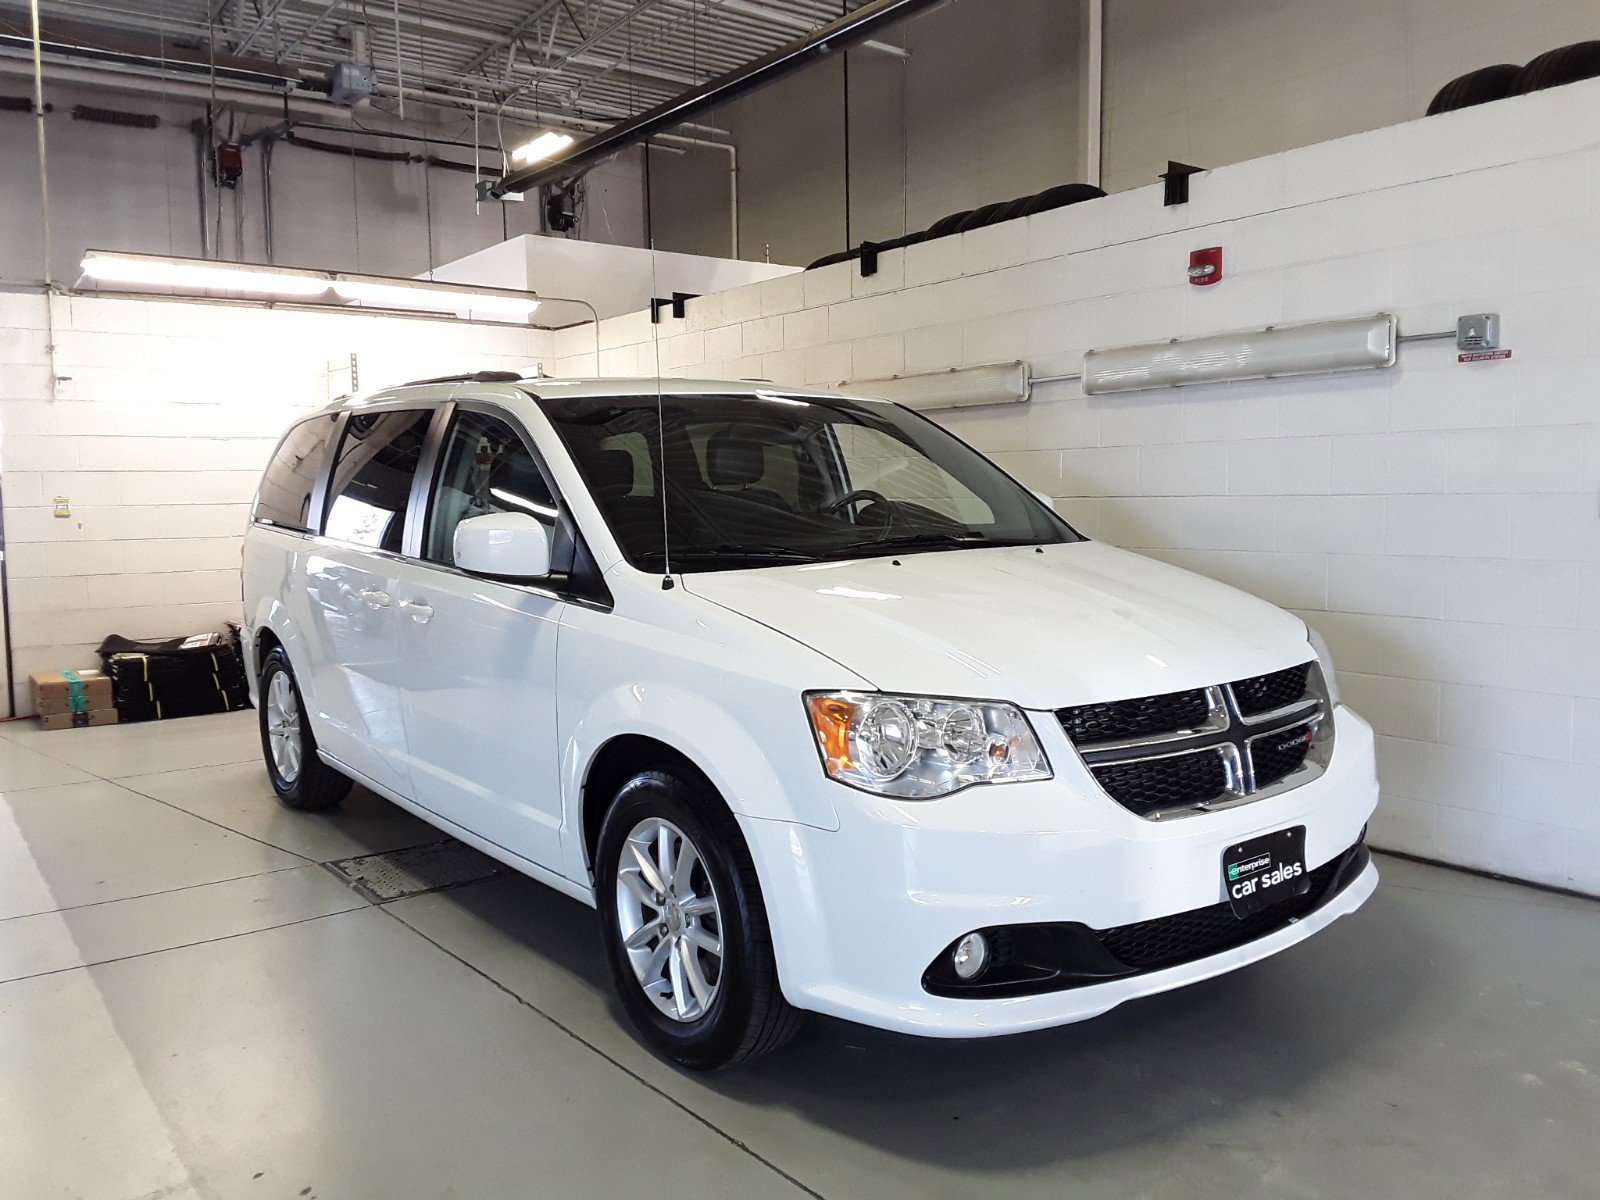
[485, 716]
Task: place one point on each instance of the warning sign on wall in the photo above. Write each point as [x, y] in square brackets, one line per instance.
[1483, 355]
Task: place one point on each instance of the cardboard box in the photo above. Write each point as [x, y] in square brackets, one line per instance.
[69, 720]
[62, 693]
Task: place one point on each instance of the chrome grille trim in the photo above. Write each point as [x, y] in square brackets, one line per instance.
[1232, 734]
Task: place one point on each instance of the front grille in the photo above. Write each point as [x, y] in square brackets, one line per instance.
[1176, 781]
[1201, 932]
[1279, 755]
[1143, 716]
[1267, 693]
[1181, 751]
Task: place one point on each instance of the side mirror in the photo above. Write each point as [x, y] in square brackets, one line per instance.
[1044, 500]
[508, 545]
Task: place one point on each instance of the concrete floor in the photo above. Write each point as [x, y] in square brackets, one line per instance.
[192, 1006]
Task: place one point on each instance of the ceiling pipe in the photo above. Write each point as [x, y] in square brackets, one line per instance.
[123, 78]
[854, 27]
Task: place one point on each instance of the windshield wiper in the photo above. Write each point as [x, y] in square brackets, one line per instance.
[756, 553]
[916, 541]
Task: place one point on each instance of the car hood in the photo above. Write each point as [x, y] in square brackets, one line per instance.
[1072, 624]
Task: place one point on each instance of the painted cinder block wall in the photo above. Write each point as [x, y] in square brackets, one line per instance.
[1438, 522]
[156, 434]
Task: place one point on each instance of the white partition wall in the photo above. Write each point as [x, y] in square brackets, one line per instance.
[154, 436]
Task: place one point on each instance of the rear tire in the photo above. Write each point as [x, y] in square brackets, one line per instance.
[703, 1010]
[301, 779]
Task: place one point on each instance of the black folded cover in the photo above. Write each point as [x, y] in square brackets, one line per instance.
[174, 677]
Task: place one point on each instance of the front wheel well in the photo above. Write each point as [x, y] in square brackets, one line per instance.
[266, 643]
[618, 761]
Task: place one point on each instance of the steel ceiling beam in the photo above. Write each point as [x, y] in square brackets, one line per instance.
[853, 27]
[266, 17]
[596, 38]
[533, 18]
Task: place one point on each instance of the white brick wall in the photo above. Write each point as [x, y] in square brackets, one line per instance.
[1439, 522]
[159, 436]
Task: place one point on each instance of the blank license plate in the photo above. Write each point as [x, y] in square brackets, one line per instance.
[1264, 870]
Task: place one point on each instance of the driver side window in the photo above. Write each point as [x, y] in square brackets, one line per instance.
[484, 468]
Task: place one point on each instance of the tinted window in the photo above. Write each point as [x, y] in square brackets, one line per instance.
[485, 468]
[284, 497]
[372, 477]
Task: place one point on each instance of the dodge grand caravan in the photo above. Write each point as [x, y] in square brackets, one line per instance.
[817, 706]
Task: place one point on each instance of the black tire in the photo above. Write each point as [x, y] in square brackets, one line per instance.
[1478, 87]
[838, 256]
[747, 1015]
[979, 217]
[315, 785]
[1017, 208]
[1060, 196]
[945, 226]
[1565, 64]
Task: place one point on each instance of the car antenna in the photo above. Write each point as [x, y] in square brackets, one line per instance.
[667, 582]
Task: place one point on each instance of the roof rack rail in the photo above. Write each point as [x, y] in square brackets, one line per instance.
[471, 377]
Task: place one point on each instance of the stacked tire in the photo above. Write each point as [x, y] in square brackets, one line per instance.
[976, 218]
[1565, 64]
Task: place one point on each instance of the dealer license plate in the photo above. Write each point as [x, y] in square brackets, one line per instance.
[1262, 871]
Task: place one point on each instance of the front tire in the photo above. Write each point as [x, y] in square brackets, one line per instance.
[685, 928]
[299, 777]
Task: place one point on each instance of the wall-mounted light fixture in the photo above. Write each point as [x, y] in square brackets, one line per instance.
[964, 387]
[141, 272]
[1316, 348]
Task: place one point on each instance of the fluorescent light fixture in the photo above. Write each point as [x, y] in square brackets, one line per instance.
[332, 288]
[428, 298]
[151, 271]
[966, 387]
[546, 145]
[1317, 348]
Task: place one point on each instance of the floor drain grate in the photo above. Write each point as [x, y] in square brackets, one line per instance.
[397, 874]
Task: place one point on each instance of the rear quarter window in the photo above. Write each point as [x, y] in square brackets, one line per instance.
[284, 497]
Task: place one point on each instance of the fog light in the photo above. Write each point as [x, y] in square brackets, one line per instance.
[970, 956]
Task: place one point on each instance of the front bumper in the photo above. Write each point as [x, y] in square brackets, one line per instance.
[858, 914]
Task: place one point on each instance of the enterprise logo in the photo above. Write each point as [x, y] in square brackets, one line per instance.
[1236, 870]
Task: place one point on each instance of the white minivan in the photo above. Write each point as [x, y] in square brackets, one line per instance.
[819, 708]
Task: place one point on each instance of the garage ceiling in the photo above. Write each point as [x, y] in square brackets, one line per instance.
[600, 59]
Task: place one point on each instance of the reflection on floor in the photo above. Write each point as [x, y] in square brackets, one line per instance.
[191, 1005]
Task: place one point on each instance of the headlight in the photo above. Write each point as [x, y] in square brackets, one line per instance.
[1329, 680]
[917, 748]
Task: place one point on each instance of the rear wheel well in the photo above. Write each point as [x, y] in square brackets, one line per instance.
[618, 761]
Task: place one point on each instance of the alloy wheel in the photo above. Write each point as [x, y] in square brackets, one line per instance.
[283, 727]
[669, 919]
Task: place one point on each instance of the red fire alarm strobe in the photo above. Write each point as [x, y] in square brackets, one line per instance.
[1205, 266]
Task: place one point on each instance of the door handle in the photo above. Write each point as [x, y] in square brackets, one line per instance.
[375, 598]
[421, 611]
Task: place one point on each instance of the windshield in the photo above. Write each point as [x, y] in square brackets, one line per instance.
[757, 480]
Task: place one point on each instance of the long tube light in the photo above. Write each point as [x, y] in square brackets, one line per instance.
[399, 295]
[335, 288]
[137, 270]
[964, 387]
[1316, 348]
[542, 147]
